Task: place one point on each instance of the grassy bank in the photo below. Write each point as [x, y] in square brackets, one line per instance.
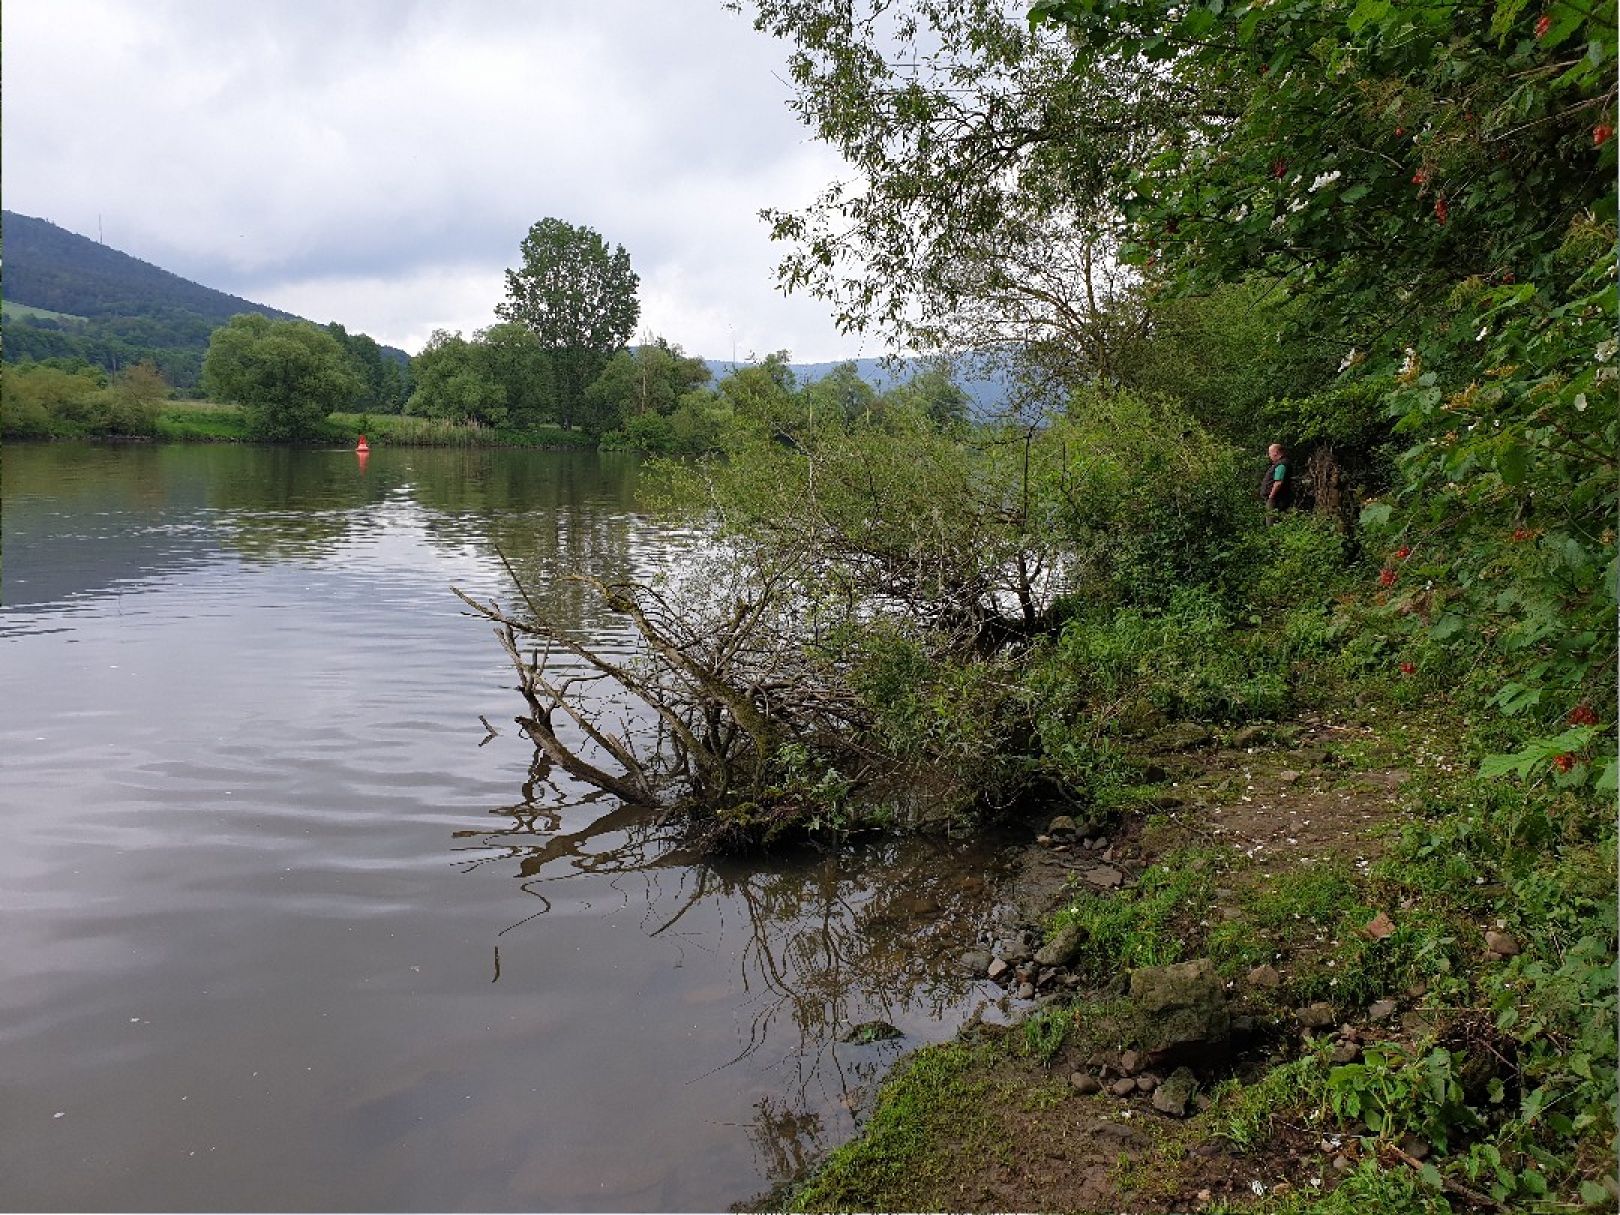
[1420, 967]
[208, 422]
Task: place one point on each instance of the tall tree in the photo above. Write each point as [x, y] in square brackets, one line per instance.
[453, 381]
[977, 217]
[578, 298]
[289, 374]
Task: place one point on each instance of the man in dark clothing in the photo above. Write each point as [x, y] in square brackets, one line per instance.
[1277, 490]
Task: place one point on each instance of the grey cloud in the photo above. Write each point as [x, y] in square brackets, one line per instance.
[257, 147]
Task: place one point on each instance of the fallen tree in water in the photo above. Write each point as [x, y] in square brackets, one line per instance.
[886, 621]
[842, 564]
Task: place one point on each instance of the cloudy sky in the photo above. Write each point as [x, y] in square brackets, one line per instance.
[377, 162]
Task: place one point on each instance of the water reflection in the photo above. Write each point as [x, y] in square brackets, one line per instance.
[279, 901]
[822, 942]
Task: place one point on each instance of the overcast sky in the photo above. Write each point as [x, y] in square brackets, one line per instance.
[377, 162]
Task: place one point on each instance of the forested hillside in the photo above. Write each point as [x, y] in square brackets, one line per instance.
[113, 310]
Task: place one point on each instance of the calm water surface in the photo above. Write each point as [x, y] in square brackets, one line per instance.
[283, 927]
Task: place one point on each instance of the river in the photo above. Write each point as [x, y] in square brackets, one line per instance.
[284, 926]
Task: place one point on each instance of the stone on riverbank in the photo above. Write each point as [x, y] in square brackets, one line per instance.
[1063, 948]
[872, 1031]
[1182, 1004]
[1172, 1096]
[975, 962]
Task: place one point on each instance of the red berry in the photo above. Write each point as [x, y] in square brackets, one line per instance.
[1408, 668]
[1564, 762]
[1399, 131]
[1543, 24]
[1441, 210]
[1522, 533]
[1583, 715]
[1386, 577]
[1402, 553]
[1600, 134]
[1420, 177]
[1279, 167]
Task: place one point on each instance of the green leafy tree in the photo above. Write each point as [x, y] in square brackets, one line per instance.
[578, 298]
[511, 356]
[382, 377]
[288, 374]
[1437, 181]
[649, 379]
[977, 218]
[842, 394]
[933, 394]
[454, 381]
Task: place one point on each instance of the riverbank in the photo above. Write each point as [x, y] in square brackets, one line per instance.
[211, 422]
[1322, 968]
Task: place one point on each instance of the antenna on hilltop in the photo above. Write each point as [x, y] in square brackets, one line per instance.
[99, 239]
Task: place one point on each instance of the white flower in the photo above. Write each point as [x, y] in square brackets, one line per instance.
[1580, 402]
[1258, 1187]
[1483, 330]
[1326, 179]
[1606, 349]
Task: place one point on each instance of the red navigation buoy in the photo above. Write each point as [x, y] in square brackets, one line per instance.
[362, 445]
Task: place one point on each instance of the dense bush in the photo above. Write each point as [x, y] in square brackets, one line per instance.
[39, 401]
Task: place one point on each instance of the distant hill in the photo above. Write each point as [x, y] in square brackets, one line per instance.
[68, 296]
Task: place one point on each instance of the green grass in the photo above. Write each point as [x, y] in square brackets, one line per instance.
[928, 1115]
[1140, 926]
[9, 308]
[1243, 1114]
[202, 421]
[382, 430]
[208, 421]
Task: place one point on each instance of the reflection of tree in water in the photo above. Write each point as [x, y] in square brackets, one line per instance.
[786, 1138]
[830, 941]
[287, 502]
[552, 515]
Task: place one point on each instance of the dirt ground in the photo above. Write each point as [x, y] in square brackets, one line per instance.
[1040, 1144]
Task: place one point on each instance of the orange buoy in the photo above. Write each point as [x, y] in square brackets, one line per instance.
[362, 445]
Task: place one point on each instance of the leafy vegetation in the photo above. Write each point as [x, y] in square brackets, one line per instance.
[289, 375]
[578, 298]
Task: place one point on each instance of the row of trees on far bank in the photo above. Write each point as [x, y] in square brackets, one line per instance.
[556, 358]
[571, 306]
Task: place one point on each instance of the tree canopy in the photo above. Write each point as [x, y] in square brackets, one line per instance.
[288, 374]
[578, 298]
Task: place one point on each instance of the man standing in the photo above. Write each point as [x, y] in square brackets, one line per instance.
[1277, 490]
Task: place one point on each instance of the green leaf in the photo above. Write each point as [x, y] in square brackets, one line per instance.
[1375, 514]
[1609, 781]
[1593, 1193]
[1449, 625]
[1512, 462]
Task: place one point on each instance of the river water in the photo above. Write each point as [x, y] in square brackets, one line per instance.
[284, 926]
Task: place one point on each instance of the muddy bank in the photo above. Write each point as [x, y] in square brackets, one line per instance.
[1174, 985]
